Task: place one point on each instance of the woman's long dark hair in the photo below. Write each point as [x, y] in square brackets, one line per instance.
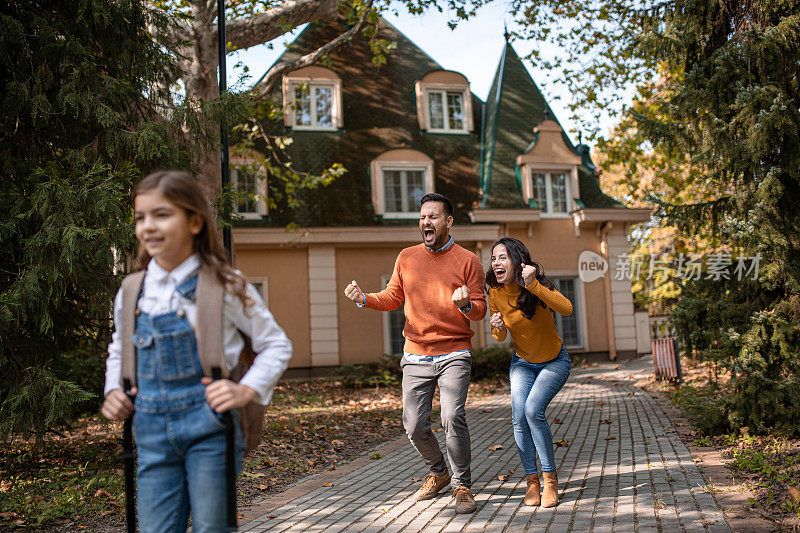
[527, 302]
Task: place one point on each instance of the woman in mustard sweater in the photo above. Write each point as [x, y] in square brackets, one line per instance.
[521, 301]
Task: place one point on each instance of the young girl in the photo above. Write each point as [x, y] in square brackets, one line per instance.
[521, 298]
[180, 438]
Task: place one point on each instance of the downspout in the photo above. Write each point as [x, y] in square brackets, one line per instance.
[612, 342]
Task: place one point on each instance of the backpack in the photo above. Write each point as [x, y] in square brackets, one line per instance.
[208, 334]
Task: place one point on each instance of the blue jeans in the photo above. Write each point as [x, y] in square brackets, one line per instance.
[533, 386]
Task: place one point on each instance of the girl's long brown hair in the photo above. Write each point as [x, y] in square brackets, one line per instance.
[182, 189]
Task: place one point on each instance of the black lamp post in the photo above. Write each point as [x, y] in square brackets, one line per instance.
[223, 130]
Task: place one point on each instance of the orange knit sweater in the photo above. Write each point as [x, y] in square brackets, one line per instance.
[425, 281]
[536, 340]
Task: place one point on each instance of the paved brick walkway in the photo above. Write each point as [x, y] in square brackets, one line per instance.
[621, 468]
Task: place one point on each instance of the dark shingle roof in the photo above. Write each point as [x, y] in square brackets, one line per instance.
[380, 114]
[515, 105]
[379, 108]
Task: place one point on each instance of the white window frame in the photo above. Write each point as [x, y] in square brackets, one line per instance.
[571, 184]
[264, 291]
[387, 340]
[378, 183]
[428, 88]
[581, 311]
[290, 84]
[261, 187]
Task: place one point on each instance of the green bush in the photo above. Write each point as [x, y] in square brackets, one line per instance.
[706, 406]
[491, 363]
[385, 372]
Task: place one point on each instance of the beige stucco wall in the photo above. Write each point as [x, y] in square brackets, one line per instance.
[552, 242]
[287, 273]
[361, 330]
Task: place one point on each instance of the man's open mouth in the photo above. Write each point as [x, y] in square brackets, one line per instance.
[428, 233]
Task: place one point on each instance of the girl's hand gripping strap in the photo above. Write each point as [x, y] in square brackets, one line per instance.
[128, 458]
[230, 459]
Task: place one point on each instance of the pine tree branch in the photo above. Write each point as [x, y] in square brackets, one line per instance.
[274, 73]
[261, 28]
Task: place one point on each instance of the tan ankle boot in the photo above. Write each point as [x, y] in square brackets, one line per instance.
[550, 491]
[532, 496]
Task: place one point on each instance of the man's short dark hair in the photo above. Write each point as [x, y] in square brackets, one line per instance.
[436, 197]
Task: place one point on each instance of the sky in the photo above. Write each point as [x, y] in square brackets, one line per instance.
[473, 49]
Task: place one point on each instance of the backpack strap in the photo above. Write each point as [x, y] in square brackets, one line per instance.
[209, 300]
[131, 288]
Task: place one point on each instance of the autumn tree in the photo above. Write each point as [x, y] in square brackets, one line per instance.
[726, 105]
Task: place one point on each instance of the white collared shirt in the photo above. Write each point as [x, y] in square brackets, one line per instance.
[270, 344]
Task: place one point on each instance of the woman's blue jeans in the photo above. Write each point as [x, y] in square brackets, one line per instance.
[533, 386]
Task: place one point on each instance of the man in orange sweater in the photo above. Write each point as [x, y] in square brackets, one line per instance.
[441, 285]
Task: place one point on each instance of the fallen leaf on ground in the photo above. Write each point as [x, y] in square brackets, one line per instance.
[487, 410]
[605, 421]
[253, 474]
[502, 477]
[495, 447]
[557, 421]
[794, 493]
[272, 516]
[239, 515]
[611, 438]
[561, 443]
[263, 487]
[327, 484]
[438, 430]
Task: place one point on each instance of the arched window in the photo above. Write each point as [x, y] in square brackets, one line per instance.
[444, 102]
[312, 99]
[400, 178]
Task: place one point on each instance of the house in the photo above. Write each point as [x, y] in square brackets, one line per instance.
[402, 130]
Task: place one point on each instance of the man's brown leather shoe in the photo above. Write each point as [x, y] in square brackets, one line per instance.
[432, 485]
[465, 501]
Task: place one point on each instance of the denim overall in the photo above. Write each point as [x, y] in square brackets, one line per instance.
[180, 440]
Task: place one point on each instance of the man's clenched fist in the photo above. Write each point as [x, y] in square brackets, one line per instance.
[353, 291]
[461, 296]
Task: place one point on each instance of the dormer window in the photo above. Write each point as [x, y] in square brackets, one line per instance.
[313, 105]
[549, 172]
[312, 99]
[250, 181]
[446, 110]
[444, 103]
[551, 191]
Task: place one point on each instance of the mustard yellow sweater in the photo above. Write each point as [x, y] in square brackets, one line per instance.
[536, 340]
